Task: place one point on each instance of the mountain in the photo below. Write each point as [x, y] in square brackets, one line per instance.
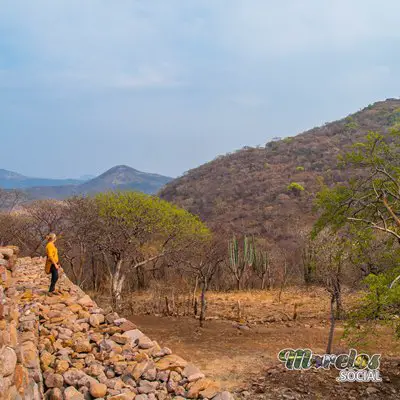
[120, 177]
[247, 191]
[12, 180]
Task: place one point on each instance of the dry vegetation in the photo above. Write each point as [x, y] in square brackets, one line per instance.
[247, 191]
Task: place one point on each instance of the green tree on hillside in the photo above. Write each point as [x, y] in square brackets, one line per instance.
[369, 203]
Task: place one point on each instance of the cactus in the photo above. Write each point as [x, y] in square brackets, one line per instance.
[239, 259]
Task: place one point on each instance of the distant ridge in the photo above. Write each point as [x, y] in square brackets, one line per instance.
[13, 180]
[120, 177]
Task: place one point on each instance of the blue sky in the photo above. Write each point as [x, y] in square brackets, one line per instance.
[165, 86]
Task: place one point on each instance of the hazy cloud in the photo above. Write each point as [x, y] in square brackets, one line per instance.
[166, 85]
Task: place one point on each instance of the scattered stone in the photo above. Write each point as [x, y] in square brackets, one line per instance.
[192, 373]
[223, 396]
[86, 301]
[54, 381]
[96, 319]
[82, 346]
[134, 335]
[170, 362]
[71, 393]
[54, 394]
[98, 390]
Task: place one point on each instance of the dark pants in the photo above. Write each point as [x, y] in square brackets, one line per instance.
[54, 277]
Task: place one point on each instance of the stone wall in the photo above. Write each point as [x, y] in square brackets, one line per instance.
[20, 375]
[64, 347]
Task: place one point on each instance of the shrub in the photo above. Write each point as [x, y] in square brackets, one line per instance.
[295, 187]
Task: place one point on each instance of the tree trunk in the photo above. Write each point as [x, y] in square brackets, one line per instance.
[140, 277]
[263, 282]
[203, 302]
[94, 274]
[339, 305]
[195, 290]
[117, 283]
[332, 327]
[238, 283]
[167, 309]
[195, 307]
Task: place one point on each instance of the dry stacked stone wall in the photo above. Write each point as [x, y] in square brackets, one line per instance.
[65, 347]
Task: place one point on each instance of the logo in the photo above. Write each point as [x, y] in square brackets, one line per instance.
[353, 367]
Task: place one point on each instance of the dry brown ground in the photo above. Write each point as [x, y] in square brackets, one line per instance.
[241, 358]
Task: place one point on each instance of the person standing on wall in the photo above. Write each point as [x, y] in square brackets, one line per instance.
[52, 263]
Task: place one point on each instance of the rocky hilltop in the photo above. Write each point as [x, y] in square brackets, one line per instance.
[65, 347]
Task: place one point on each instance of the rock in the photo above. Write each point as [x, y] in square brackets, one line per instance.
[96, 319]
[197, 387]
[8, 361]
[126, 396]
[98, 390]
[223, 396]
[147, 387]
[86, 301]
[73, 376]
[140, 368]
[54, 394]
[119, 321]
[145, 343]
[163, 376]
[110, 318]
[95, 369]
[170, 362]
[21, 377]
[61, 366]
[13, 335]
[120, 339]
[29, 355]
[82, 346]
[150, 374]
[75, 308]
[46, 360]
[54, 381]
[71, 393]
[192, 373]
[210, 391]
[134, 335]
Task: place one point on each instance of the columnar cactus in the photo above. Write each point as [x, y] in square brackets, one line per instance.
[240, 260]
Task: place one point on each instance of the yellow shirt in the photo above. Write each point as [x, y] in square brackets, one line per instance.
[52, 256]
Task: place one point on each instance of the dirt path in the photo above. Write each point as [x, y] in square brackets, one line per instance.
[238, 357]
[231, 355]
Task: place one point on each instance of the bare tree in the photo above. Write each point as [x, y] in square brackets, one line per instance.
[10, 199]
[204, 262]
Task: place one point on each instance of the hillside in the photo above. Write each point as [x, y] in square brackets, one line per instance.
[247, 191]
[120, 177]
[13, 180]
